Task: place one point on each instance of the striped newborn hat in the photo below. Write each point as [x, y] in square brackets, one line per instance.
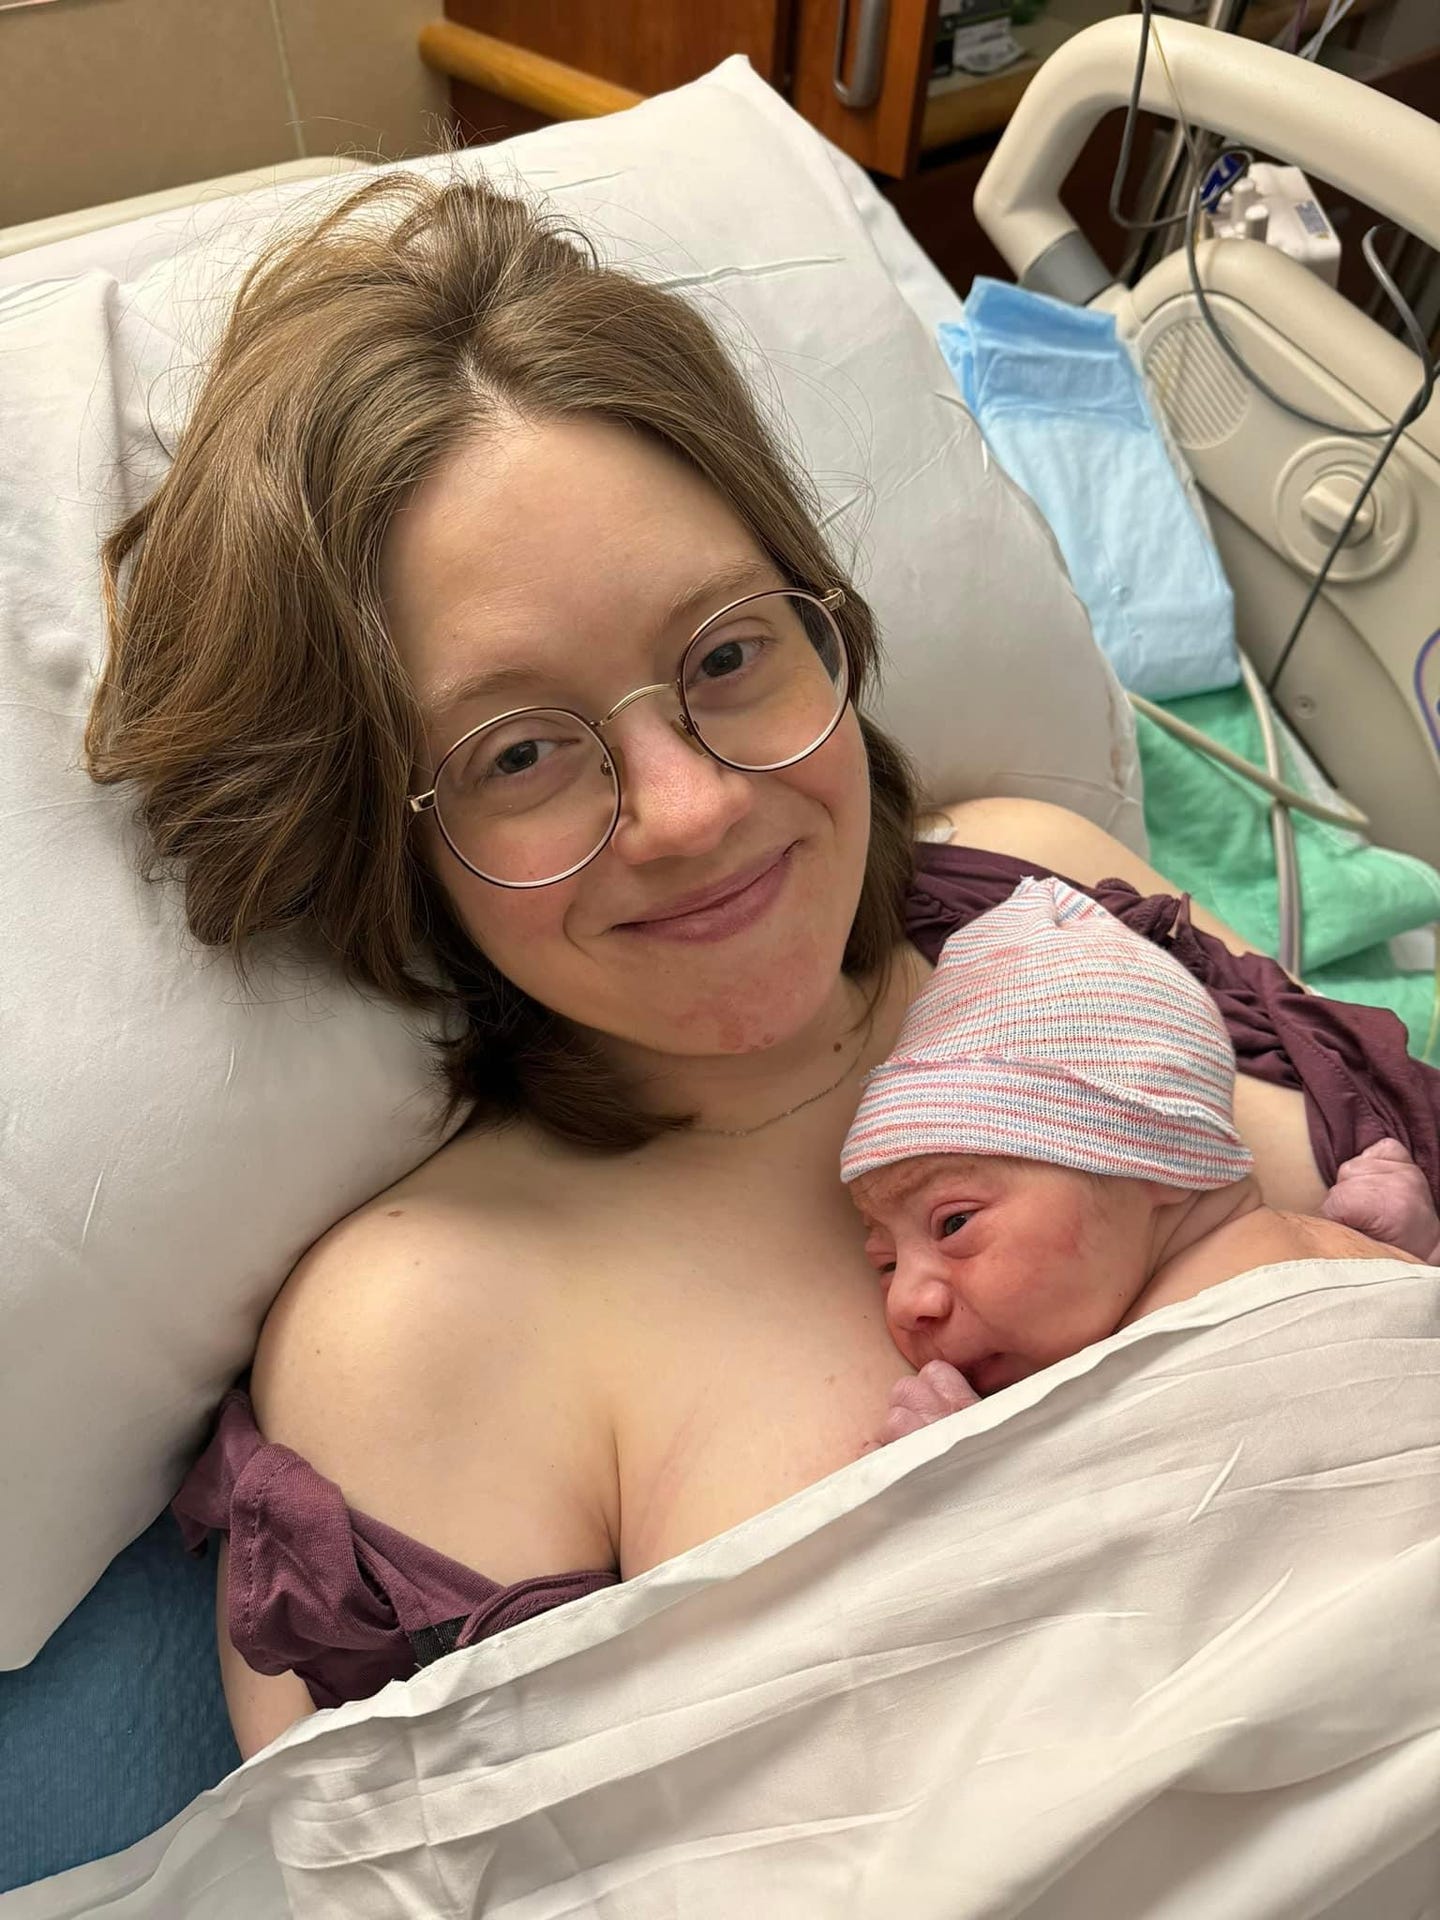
[1051, 1032]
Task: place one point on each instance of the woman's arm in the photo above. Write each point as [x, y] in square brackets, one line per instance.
[1069, 844]
[439, 1377]
[261, 1706]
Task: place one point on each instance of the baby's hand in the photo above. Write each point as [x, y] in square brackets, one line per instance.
[921, 1398]
[1383, 1193]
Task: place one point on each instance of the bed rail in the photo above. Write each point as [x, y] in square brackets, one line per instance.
[1385, 154]
[515, 73]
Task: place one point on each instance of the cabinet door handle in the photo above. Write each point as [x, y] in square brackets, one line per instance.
[864, 88]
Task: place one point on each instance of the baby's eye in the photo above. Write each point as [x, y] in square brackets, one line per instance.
[952, 1223]
[881, 1258]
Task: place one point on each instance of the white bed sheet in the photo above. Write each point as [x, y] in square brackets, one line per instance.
[1156, 1633]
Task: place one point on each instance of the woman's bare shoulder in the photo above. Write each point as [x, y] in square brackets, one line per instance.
[422, 1224]
[427, 1355]
[1305, 1236]
[1070, 844]
[1038, 830]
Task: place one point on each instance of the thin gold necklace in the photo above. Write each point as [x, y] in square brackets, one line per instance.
[743, 1133]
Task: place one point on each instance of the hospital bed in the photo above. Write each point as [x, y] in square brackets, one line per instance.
[1175, 1811]
[1362, 686]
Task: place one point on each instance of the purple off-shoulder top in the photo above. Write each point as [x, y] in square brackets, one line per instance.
[349, 1603]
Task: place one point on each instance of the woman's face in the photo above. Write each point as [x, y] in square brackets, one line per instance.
[570, 562]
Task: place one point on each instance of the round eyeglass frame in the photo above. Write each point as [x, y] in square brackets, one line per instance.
[828, 602]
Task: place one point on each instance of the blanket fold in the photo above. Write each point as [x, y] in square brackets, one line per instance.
[1154, 1633]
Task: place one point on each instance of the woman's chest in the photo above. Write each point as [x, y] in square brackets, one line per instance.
[746, 1356]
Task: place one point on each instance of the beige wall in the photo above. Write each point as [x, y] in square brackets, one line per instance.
[102, 99]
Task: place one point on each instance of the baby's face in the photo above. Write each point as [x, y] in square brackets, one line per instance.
[1004, 1266]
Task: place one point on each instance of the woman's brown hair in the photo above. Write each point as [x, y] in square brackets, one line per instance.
[250, 689]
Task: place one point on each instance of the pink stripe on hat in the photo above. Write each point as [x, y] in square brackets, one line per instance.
[1049, 1031]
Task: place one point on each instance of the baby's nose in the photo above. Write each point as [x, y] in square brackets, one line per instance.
[916, 1302]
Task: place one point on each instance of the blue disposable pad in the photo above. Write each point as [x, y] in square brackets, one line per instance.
[1065, 411]
[119, 1721]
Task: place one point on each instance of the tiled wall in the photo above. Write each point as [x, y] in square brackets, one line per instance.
[102, 99]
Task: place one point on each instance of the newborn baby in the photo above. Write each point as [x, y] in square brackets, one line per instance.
[1050, 1152]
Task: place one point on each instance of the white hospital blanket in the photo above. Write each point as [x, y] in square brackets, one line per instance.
[1156, 1633]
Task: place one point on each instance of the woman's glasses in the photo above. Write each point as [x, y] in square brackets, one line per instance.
[532, 796]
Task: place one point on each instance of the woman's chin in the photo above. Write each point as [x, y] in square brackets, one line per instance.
[718, 1037]
[757, 1009]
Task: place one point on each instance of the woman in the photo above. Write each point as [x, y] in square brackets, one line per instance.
[479, 635]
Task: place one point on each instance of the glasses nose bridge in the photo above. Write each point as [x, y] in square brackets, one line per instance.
[635, 694]
[680, 724]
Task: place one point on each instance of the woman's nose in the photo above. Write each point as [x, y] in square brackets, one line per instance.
[675, 798]
[917, 1301]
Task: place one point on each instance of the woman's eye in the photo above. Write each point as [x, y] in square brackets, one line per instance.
[726, 659]
[952, 1223]
[722, 660]
[519, 757]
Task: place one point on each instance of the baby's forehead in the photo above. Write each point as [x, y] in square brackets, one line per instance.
[889, 1189]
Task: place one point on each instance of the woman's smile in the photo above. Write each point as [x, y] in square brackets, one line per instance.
[720, 912]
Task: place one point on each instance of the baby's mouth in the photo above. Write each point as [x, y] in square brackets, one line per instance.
[998, 1371]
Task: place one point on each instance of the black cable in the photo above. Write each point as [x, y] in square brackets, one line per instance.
[1416, 407]
[1190, 218]
[1127, 140]
[1391, 435]
[1232, 352]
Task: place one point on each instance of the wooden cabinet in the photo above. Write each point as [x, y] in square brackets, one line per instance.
[516, 63]
[646, 46]
[883, 110]
[895, 39]
[802, 47]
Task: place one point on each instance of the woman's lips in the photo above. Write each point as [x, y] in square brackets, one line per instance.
[723, 918]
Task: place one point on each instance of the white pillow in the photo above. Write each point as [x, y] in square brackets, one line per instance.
[171, 1146]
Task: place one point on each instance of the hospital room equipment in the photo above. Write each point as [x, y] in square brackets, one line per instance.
[1279, 494]
[1279, 206]
[1332, 511]
[162, 1196]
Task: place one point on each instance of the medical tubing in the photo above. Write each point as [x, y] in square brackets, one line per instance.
[1284, 797]
[1334, 14]
[1416, 407]
[1289, 905]
[1429, 1045]
[1352, 822]
[1392, 435]
[1322, 572]
[1421, 698]
[1127, 138]
[1428, 711]
[1397, 300]
[1190, 217]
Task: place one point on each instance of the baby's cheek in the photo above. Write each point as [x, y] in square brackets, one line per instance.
[1049, 1302]
[1015, 1291]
